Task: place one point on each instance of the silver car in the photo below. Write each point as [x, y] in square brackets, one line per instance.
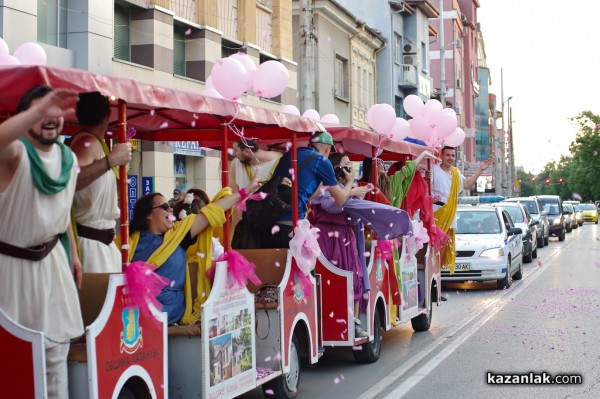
[535, 208]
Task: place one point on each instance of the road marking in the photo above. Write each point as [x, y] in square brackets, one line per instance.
[421, 373]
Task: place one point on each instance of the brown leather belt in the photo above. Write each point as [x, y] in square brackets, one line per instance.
[35, 253]
[105, 236]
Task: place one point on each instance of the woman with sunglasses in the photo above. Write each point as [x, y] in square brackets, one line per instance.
[156, 238]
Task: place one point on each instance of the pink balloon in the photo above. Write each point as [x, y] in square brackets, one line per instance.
[413, 105]
[212, 93]
[7, 59]
[370, 113]
[249, 65]
[31, 53]
[312, 114]
[400, 130]
[432, 110]
[3, 48]
[228, 77]
[456, 138]
[290, 109]
[209, 83]
[330, 118]
[271, 79]
[420, 128]
[383, 118]
[446, 125]
[449, 111]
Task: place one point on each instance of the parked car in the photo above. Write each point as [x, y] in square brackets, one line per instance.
[570, 217]
[523, 220]
[589, 213]
[488, 247]
[535, 208]
[553, 205]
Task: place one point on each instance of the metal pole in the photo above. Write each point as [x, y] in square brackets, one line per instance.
[511, 166]
[497, 183]
[123, 194]
[307, 56]
[503, 141]
[442, 57]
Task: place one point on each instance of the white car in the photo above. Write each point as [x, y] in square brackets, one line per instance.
[528, 225]
[488, 247]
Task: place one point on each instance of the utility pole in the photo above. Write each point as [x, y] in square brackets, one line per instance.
[503, 141]
[496, 152]
[442, 57]
[307, 60]
[511, 164]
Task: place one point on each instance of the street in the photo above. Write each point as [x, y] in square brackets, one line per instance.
[547, 322]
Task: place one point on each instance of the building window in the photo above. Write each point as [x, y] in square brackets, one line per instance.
[52, 22]
[341, 77]
[398, 106]
[227, 18]
[264, 29]
[121, 40]
[179, 49]
[423, 56]
[229, 48]
[398, 50]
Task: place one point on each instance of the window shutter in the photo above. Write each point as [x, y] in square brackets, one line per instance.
[121, 39]
[179, 50]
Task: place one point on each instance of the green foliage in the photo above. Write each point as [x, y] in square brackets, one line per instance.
[580, 173]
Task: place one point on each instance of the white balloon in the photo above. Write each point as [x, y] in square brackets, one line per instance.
[290, 109]
[312, 114]
[7, 59]
[330, 118]
[456, 138]
[229, 77]
[31, 53]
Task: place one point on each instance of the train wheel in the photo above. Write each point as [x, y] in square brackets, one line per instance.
[369, 352]
[286, 386]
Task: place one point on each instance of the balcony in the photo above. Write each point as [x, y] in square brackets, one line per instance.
[407, 76]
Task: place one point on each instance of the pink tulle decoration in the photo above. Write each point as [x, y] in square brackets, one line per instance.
[143, 286]
[241, 203]
[415, 242]
[386, 249]
[438, 238]
[305, 247]
[241, 270]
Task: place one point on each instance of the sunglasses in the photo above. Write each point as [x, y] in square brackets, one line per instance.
[164, 206]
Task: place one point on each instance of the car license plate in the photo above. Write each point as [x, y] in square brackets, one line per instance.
[459, 267]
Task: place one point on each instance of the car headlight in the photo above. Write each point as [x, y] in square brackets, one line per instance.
[492, 253]
[556, 221]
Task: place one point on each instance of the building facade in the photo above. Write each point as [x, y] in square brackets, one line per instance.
[164, 42]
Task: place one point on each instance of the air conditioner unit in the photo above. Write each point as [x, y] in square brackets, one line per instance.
[410, 48]
[412, 59]
[458, 43]
[458, 110]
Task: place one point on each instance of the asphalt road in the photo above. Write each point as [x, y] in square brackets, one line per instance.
[547, 322]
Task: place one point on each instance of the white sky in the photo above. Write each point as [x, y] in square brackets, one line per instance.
[549, 54]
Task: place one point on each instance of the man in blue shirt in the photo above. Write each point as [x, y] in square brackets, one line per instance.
[314, 172]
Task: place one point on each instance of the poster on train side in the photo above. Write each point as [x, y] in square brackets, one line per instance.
[228, 339]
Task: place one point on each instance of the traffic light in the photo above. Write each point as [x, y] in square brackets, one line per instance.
[547, 181]
[560, 180]
[533, 179]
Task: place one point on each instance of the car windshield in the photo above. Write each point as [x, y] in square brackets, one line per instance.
[476, 222]
[516, 214]
[588, 207]
[551, 206]
[531, 207]
[568, 207]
